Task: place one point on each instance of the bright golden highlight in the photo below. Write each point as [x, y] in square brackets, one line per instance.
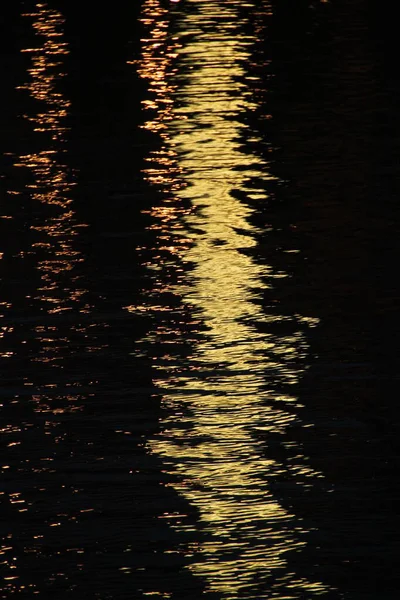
[215, 402]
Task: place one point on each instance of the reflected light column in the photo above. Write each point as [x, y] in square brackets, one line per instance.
[216, 401]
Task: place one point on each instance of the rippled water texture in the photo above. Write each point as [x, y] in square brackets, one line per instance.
[219, 397]
[198, 300]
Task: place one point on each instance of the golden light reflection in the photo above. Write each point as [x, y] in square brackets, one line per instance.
[216, 401]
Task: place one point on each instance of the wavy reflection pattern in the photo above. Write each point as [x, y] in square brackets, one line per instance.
[216, 401]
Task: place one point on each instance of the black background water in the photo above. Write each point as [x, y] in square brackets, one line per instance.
[82, 495]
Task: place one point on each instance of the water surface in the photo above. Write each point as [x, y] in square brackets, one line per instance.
[198, 300]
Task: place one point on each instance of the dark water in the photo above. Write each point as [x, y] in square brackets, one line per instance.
[199, 300]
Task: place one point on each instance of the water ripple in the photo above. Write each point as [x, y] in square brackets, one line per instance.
[230, 384]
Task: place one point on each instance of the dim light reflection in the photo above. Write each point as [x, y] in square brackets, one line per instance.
[54, 230]
[158, 52]
[52, 181]
[223, 470]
